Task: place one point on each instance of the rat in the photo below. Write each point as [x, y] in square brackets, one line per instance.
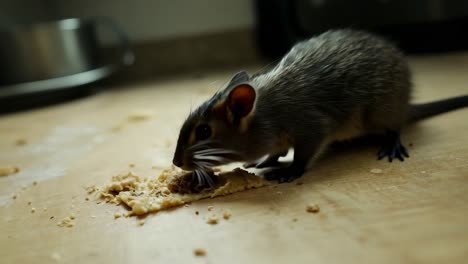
[337, 86]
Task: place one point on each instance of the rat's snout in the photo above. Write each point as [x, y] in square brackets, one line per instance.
[178, 162]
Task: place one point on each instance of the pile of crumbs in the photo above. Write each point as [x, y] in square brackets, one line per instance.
[67, 221]
[173, 187]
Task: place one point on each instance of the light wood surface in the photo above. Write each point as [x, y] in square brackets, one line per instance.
[413, 212]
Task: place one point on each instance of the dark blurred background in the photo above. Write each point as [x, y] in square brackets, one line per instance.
[168, 38]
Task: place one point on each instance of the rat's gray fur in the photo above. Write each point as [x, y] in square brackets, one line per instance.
[338, 85]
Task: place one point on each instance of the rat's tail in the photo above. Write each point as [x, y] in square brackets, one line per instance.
[425, 110]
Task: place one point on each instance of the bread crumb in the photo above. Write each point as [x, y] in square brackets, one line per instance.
[210, 207]
[21, 142]
[8, 170]
[279, 193]
[313, 208]
[72, 216]
[93, 216]
[117, 215]
[196, 212]
[91, 189]
[29, 202]
[131, 165]
[140, 115]
[226, 215]
[55, 256]
[86, 199]
[376, 171]
[33, 210]
[294, 220]
[212, 220]
[44, 209]
[117, 128]
[66, 222]
[199, 252]
[34, 183]
[141, 222]
[14, 196]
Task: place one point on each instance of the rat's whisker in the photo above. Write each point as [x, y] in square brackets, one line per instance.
[215, 158]
[205, 165]
[198, 176]
[216, 150]
[207, 178]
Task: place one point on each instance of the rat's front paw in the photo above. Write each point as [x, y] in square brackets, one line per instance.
[282, 175]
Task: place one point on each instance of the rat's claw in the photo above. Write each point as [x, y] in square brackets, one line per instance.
[393, 148]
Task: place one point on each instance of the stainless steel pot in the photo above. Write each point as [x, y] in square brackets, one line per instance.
[55, 50]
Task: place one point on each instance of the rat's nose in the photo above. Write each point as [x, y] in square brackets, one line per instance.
[177, 162]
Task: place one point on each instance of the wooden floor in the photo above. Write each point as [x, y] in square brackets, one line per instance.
[412, 212]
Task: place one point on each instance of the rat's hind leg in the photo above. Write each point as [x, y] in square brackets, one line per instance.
[270, 161]
[392, 147]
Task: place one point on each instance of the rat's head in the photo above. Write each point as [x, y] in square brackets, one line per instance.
[212, 134]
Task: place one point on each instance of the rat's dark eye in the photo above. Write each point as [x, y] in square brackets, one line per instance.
[203, 132]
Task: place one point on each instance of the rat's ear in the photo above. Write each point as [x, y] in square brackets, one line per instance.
[240, 102]
[240, 77]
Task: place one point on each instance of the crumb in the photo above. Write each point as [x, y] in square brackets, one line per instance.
[141, 222]
[93, 216]
[313, 208]
[29, 202]
[140, 115]
[52, 217]
[294, 220]
[21, 142]
[14, 196]
[117, 128]
[212, 220]
[44, 209]
[226, 215]
[72, 216]
[199, 252]
[376, 171]
[86, 199]
[299, 183]
[186, 205]
[34, 183]
[279, 193]
[55, 256]
[131, 165]
[8, 170]
[423, 172]
[33, 210]
[91, 189]
[66, 222]
[117, 215]
[196, 212]
[210, 207]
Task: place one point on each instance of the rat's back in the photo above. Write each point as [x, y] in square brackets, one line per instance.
[336, 74]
